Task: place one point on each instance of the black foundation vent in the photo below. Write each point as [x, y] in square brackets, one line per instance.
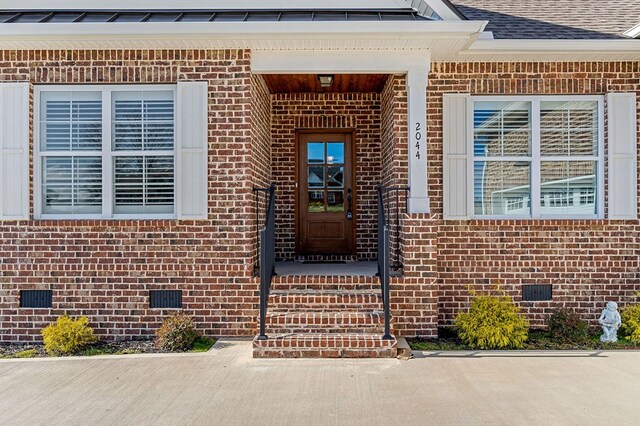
[536, 292]
[36, 298]
[165, 299]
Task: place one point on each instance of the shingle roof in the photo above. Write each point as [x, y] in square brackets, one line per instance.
[306, 15]
[553, 19]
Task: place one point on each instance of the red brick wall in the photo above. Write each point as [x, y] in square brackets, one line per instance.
[414, 295]
[587, 261]
[349, 111]
[104, 269]
[260, 152]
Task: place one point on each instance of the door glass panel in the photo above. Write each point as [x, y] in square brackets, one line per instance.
[316, 202]
[335, 201]
[316, 177]
[315, 152]
[335, 177]
[335, 153]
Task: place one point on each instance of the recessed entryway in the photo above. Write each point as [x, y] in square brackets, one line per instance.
[326, 194]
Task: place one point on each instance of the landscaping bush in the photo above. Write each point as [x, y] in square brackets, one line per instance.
[568, 327]
[630, 328]
[67, 336]
[493, 322]
[177, 333]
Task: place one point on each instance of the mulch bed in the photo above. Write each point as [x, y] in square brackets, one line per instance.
[538, 340]
[99, 348]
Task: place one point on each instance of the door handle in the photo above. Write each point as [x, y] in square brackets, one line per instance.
[349, 210]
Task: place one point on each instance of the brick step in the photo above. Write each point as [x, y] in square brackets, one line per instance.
[325, 283]
[324, 300]
[325, 322]
[322, 345]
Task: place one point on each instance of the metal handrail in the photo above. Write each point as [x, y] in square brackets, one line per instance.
[392, 220]
[384, 250]
[267, 257]
[383, 261]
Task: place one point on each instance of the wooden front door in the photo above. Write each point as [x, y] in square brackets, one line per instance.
[326, 194]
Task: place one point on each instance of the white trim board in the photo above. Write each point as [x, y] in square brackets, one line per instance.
[306, 62]
[633, 32]
[549, 50]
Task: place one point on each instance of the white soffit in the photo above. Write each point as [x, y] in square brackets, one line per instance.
[438, 36]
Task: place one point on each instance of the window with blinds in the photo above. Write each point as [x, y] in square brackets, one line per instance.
[107, 152]
[143, 140]
[537, 157]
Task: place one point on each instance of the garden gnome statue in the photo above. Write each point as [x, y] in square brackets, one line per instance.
[610, 322]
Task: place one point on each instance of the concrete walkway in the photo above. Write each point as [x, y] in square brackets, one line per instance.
[227, 387]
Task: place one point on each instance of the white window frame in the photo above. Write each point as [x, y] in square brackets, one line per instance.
[535, 178]
[107, 154]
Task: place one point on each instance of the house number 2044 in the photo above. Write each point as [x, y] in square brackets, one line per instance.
[418, 137]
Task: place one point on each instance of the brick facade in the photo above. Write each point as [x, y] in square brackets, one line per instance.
[105, 268]
[357, 112]
[586, 261]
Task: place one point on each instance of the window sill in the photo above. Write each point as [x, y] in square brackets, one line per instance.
[112, 218]
[525, 218]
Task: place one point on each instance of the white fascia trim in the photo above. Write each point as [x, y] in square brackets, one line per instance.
[313, 62]
[542, 47]
[239, 30]
[633, 32]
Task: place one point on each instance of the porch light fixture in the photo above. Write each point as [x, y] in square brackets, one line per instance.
[325, 80]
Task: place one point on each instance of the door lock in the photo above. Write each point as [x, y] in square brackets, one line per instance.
[349, 210]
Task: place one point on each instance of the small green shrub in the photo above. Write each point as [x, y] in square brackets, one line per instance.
[568, 327]
[493, 322]
[630, 328]
[67, 336]
[177, 333]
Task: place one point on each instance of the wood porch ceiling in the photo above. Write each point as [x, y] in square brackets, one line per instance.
[342, 83]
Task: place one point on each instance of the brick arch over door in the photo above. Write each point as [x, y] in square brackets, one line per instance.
[357, 112]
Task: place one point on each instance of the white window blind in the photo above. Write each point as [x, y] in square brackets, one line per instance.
[71, 145]
[527, 156]
[107, 152]
[143, 143]
[537, 157]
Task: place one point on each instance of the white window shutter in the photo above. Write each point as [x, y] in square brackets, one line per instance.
[14, 151]
[623, 141]
[192, 150]
[455, 122]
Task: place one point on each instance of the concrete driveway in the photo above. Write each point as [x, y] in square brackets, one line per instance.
[227, 387]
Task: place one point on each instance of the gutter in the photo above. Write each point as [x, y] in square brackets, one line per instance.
[527, 47]
[239, 30]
